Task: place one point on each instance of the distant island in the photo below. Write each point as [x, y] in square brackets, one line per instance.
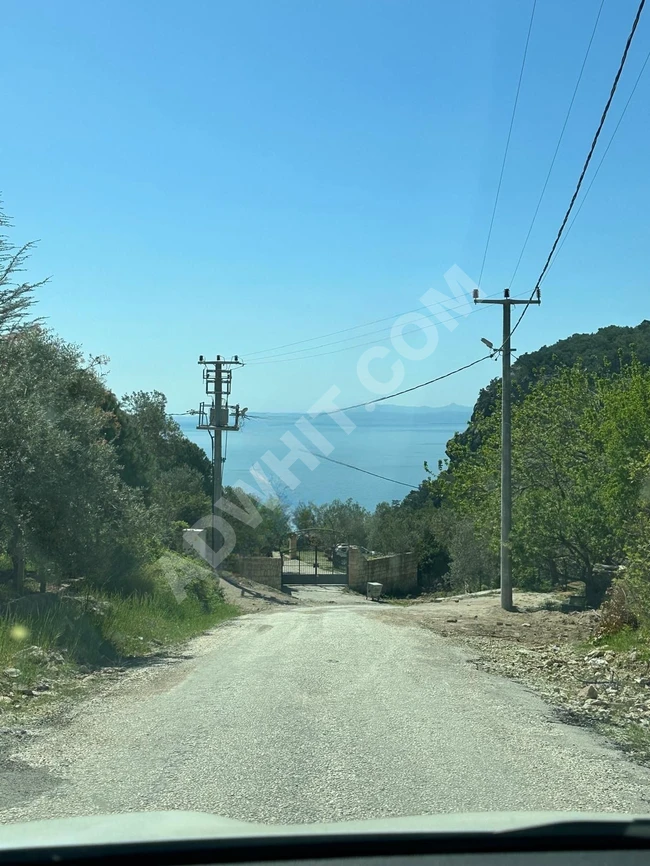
[453, 413]
[449, 409]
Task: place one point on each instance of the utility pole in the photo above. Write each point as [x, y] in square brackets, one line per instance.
[506, 439]
[217, 452]
[215, 417]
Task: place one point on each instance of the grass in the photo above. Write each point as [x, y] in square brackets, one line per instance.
[636, 740]
[136, 624]
[627, 640]
[18, 633]
[70, 632]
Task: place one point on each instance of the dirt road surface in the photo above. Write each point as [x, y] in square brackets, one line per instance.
[313, 713]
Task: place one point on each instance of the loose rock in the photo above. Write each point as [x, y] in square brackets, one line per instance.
[13, 673]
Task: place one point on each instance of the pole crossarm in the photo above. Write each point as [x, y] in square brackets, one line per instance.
[505, 301]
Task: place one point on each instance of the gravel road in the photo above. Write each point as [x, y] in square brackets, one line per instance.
[310, 714]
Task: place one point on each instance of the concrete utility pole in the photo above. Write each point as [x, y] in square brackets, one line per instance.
[506, 440]
[214, 416]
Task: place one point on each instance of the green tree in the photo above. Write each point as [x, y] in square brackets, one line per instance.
[16, 294]
[412, 526]
[349, 521]
[174, 474]
[62, 501]
[576, 439]
[269, 534]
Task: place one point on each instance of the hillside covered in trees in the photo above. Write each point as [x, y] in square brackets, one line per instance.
[581, 477]
[600, 353]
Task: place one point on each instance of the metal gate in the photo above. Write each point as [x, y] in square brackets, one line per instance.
[314, 565]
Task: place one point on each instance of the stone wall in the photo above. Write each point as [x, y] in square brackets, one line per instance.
[397, 572]
[262, 569]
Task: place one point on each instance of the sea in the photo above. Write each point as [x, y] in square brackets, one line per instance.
[391, 441]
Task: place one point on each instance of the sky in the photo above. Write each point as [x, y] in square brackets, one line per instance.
[215, 177]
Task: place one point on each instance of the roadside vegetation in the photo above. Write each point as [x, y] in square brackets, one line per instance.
[95, 492]
[41, 633]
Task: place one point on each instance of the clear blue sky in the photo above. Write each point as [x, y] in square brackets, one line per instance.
[230, 176]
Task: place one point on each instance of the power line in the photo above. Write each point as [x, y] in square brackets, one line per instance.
[602, 159]
[281, 359]
[285, 356]
[333, 333]
[593, 144]
[587, 160]
[415, 387]
[559, 142]
[265, 352]
[507, 147]
[359, 469]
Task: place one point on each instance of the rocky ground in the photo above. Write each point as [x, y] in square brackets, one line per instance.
[60, 684]
[554, 654]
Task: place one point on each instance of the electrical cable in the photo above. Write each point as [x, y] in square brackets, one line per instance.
[286, 356]
[590, 154]
[359, 469]
[602, 159]
[334, 333]
[392, 318]
[559, 142]
[593, 144]
[281, 359]
[416, 387]
[507, 147]
[413, 388]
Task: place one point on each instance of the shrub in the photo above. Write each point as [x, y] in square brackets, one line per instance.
[619, 609]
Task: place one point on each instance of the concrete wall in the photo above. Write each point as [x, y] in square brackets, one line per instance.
[262, 569]
[397, 572]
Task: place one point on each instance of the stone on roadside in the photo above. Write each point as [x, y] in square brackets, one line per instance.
[34, 653]
[13, 673]
[451, 619]
[594, 653]
[588, 692]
